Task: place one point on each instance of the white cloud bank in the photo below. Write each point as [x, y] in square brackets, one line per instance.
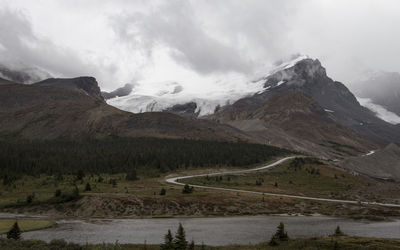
[196, 42]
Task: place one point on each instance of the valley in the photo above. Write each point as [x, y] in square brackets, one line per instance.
[199, 125]
[115, 196]
[292, 151]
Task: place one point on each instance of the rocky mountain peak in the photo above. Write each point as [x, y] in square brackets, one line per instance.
[304, 71]
[122, 91]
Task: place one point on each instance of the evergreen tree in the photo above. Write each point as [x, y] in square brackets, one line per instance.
[180, 241]
[191, 245]
[168, 242]
[117, 155]
[338, 232]
[88, 187]
[281, 234]
[273, 241]
[15, 232]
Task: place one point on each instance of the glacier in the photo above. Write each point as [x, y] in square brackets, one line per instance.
[164, 95]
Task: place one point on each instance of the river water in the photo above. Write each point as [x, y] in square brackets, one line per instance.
[212, 231]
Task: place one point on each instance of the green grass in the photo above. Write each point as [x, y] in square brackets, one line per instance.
[25, 224]
[44, 187]
[310, 179]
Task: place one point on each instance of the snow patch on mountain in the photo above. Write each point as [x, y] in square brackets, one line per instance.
[162, 100]
[289, 64]
[380, 111]
[154, 97]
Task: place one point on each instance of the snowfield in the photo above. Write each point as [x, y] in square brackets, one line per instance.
[154, 97]
[380, 111]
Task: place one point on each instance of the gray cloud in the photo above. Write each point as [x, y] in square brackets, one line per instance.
[175, 26]
[203, 36]
[20, 47]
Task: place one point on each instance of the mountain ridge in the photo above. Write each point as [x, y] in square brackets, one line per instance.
[61, 108]
[294, 120]
[309, 77]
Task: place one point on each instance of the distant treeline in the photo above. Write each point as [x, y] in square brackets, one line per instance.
[119, 155]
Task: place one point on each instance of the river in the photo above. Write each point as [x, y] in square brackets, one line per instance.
[212, 231]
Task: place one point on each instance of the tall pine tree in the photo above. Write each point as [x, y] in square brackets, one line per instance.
[168, 242]
[180, 241]
[280, 233]
[15, 232]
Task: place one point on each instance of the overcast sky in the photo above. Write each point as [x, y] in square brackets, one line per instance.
[198, 41]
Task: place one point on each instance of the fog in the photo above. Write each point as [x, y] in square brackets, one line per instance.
[197, 42]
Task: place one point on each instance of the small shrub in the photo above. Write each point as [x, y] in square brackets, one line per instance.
[187, 189]
[30, 198]
[57, 193]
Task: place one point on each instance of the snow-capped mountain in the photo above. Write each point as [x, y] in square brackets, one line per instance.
[301, 107]
[301, 74]
[172, 96]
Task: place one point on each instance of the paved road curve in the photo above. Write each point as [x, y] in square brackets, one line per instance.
[175, 181]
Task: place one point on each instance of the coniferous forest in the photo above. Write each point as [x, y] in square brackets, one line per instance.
[122, 155]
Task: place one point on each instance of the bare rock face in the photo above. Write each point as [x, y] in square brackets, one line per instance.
[86, 84]
[123, 91]
[187, 109]
[294, 120]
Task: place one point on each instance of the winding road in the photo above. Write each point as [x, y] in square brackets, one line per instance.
[175, 181]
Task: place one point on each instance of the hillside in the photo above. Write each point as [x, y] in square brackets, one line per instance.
[74, 108]
[383, 164]
[308, 76]
[294, 120]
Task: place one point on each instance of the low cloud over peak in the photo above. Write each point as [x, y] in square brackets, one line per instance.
[195, 41]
